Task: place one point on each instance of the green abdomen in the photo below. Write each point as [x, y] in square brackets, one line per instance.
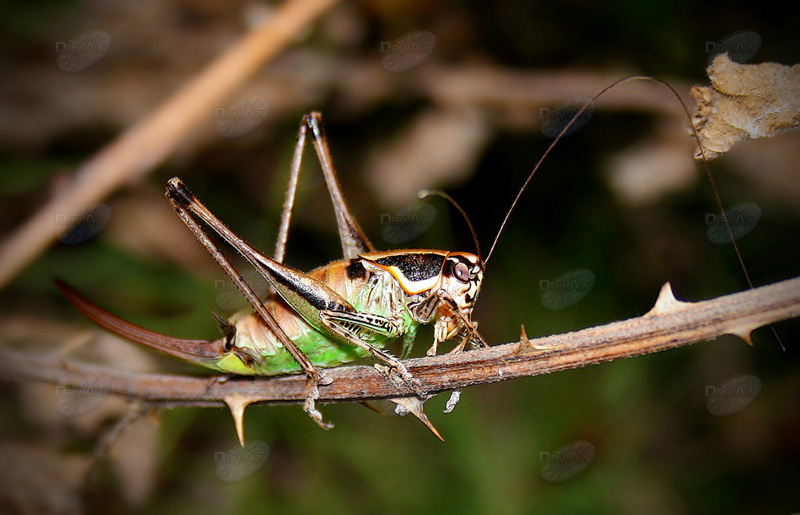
[269, 357]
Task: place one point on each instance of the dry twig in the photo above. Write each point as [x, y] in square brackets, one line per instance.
[147, 143]
[670, 324]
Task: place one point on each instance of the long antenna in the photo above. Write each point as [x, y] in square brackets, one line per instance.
[546, 153]
[699, 146]
[436, 193]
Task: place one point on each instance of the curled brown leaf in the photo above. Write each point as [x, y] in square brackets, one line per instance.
[745, 101]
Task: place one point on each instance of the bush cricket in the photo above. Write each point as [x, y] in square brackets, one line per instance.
[330, 316]
[339, 312]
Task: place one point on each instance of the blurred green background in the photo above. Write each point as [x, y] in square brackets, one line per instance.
[445, 124]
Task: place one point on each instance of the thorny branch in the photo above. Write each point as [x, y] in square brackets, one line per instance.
[670, 324]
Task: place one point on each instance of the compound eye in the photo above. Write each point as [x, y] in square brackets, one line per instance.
[461, 271]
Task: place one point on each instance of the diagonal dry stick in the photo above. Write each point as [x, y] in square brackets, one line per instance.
[150, 141]
[668, 325]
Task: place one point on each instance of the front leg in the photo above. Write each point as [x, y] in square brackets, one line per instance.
[424, 311]
[443, 330]
[352, 326]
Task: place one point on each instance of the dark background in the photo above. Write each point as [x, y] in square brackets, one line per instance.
[658, 449]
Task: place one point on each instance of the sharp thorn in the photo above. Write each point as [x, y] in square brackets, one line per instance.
[414, 405]
[237, 404]
[525, 344]
[666, 302]
[743, 333]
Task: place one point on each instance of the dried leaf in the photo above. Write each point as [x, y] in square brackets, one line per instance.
[745, 101]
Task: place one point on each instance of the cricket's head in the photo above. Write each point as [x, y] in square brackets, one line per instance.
[443, 285]
[461, 278]
[458, 288]
[455, 276]
[462, 273]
